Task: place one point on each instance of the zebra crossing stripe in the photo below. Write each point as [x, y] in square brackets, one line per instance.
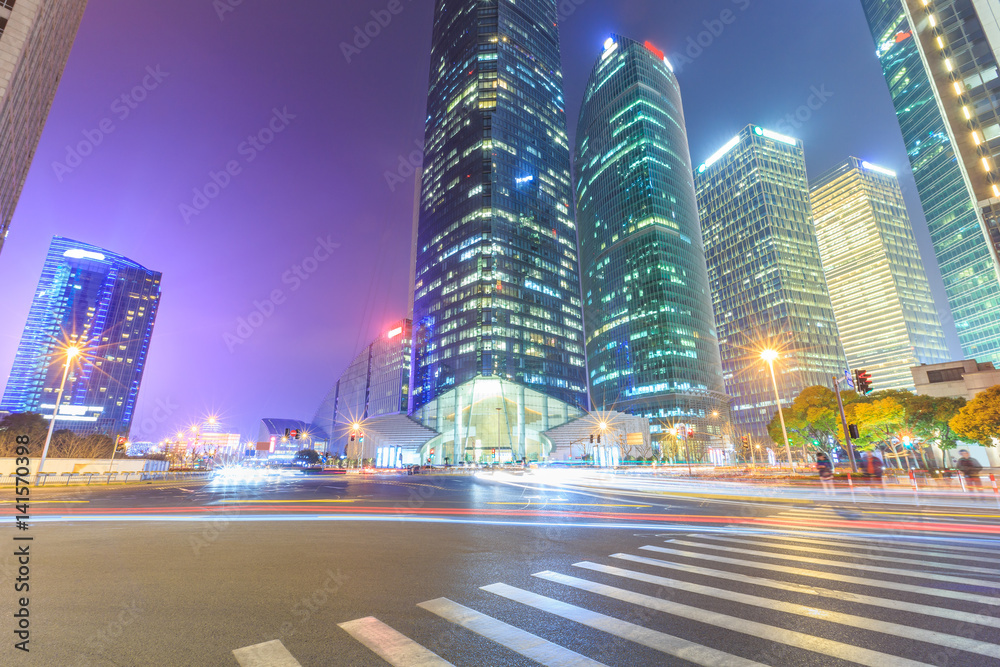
[836, 563]
[887, 603]
[976, 551]
[268, 654]
[660, 641]
[885, 627]
[875, 583]
[852, 554]
[396, 649]
[826, 647]
[540, 650]
[930, 554]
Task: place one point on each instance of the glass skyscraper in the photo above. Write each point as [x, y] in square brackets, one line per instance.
[765, 273]
[35, 41]
[881, 298]
[651, 341]
[497, 291]
[944, 83]
[104, 304]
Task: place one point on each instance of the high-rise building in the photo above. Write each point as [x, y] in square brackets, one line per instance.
[104, 304]
[879, 290]
[652, 348]
[765, 274]
[375, 383]
[35, 40]
[940, 60]
[497, 290]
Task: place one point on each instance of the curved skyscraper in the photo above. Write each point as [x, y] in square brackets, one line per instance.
[104, 303]
[651, 341]
[497, 282]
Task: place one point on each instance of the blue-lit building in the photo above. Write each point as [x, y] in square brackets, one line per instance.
[652, 348]
[941, 61]
[106, 305]
[497, 291]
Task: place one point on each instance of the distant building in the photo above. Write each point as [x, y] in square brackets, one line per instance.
[497, 285]
[960, 379]
[276, 438]
[765, 274]
[940, 60]
[652, 348]
[955, 379]
[881, 298]
[373, 394]
[106, 305]
[36, 37]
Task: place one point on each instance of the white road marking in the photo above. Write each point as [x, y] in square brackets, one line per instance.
[540, 650]
[396, 649]
[862, 581]
[826, 647]
[934, 576]
[660, 641]
[927, 610]
[865, 623]
[268, 654]
[931, 554]
[852, 554]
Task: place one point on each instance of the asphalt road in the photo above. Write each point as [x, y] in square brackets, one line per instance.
[573, 569]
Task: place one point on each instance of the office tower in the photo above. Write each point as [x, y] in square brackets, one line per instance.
[881, 299]
[102, 303]
[940, 61]
[765, 273]
[652, 348]
[497, 290]
[35, 40]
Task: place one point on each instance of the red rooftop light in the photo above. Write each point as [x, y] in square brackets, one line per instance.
[659, 54]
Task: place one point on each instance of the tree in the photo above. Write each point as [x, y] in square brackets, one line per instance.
[879, 421]
[813, 417]
[307, 456]
[30, 424]
[929, 418]
[979, 420]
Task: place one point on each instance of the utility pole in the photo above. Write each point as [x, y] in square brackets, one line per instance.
[843, 421]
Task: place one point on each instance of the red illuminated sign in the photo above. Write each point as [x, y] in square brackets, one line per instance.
[659, 54]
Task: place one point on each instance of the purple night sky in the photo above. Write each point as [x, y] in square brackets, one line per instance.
[324, 174]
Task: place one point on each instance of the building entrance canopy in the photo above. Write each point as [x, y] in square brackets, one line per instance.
[488, 419]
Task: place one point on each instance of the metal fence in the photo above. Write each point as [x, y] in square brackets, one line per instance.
[86, 478]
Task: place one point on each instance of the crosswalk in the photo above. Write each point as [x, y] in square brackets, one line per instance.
[736, 599]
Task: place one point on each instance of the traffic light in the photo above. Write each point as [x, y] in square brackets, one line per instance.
[591, 438]
[432, 451]
[863, 382]
[286, 432]
[853, 430]
[598, 438]
[353, 437]
[745, 440]
[690, 432]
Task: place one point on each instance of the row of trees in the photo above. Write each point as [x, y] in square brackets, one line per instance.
[65, 444]
[888, 419]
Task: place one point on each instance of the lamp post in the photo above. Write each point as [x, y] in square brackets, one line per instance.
[770, 356]
[71, 353]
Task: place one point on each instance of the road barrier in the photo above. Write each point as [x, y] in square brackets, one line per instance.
[85, 478]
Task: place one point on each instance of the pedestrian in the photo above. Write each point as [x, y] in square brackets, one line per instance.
[825, 467]
[873, 468]
[969, 468]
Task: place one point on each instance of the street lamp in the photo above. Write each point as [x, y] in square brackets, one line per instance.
[71, 353]
[770, 356]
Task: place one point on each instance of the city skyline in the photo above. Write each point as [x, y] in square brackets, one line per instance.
[304, 309]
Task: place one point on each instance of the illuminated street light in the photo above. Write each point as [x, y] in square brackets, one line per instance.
[770, 356]
[72, 352]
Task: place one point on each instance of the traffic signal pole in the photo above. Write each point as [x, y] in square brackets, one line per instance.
[843, 421]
